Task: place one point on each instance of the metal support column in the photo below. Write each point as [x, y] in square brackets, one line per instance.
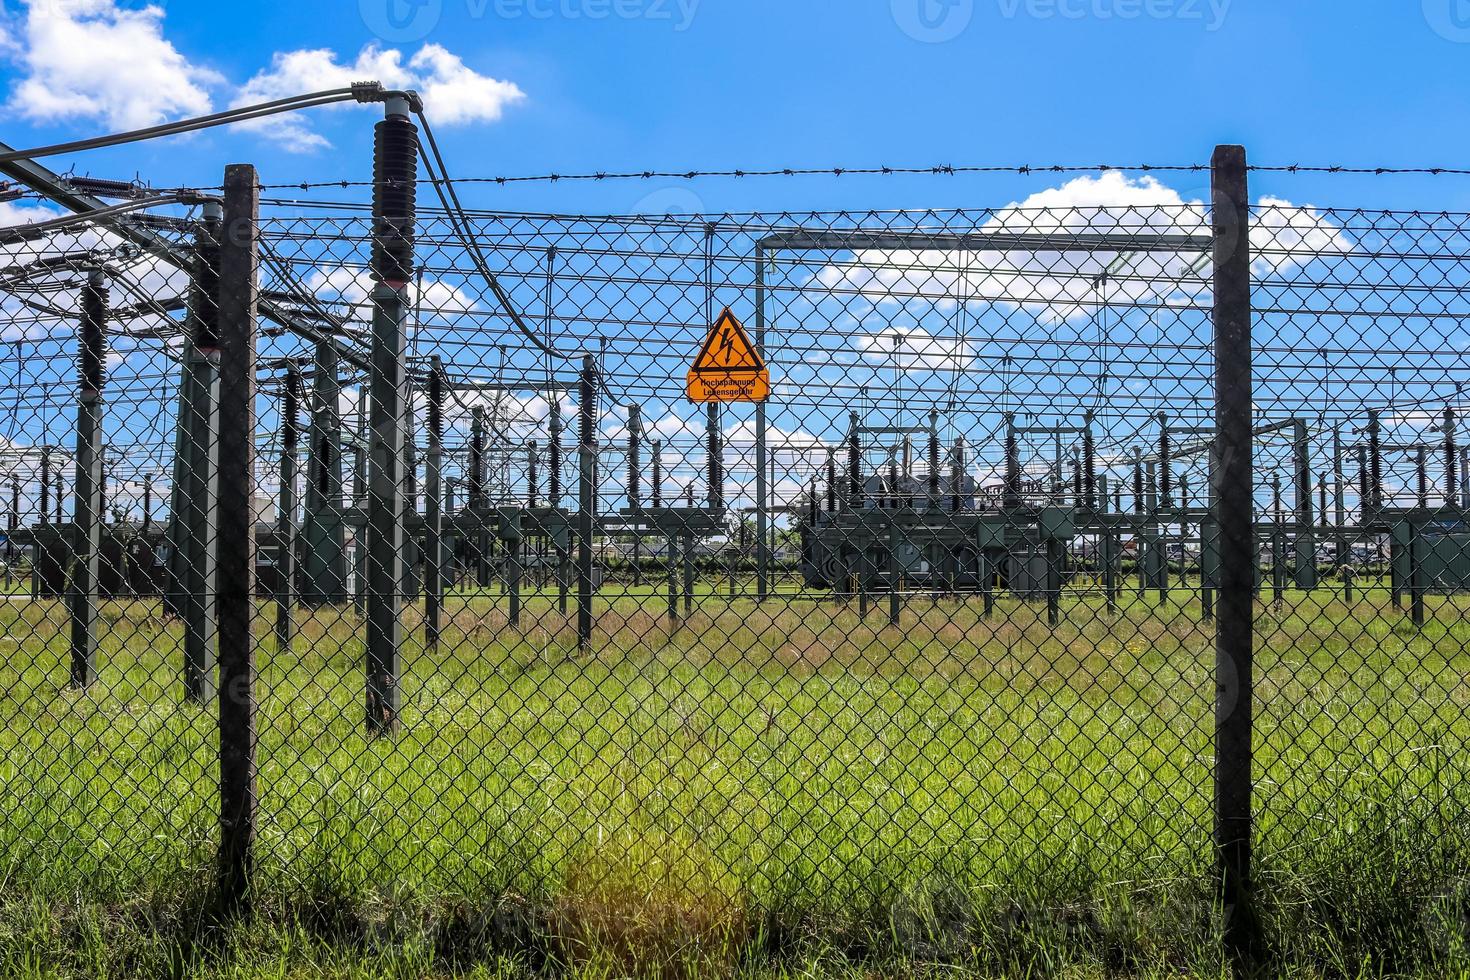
[87, 518]
[286, 524]
[1234, 476]
[586, 499]
[762, 488]
[395, 169]
[433, 513]
[238, 291]
[201, 535]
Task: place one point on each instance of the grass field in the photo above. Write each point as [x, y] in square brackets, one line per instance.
[766, 790]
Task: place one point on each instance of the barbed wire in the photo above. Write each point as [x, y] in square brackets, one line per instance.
[938, 170]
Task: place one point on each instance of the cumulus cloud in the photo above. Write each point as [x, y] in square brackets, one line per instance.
[95, 60]
[100, 61]
[1056, 286]
[353, 287]
[453, 92]
[915, 349]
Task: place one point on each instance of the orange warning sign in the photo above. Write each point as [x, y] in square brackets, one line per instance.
[728, 368]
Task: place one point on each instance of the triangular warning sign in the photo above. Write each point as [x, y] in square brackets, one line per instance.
[728, 367]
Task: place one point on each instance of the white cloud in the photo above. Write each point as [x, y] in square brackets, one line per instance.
[915, 349]
[92, 59]
[453, 93]
[1056, 286]
[21, 213]
[104, 62]
[352, 287]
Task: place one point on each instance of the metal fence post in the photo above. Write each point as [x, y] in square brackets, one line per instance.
[92, 367]
[762, 487]
[286, 526]
[395, 167]
[586, 500]
[1234, 493]
[433, 516]
[236, 523]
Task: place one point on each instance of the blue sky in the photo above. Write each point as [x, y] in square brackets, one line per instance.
[535, 86]
[616, 84]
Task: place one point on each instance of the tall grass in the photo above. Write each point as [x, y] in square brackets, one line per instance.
[783, 787]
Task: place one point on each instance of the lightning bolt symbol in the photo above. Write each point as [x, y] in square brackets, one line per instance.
[727, 343]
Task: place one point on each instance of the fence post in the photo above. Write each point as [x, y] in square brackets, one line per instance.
[762, 451]
[286, 528]
[395, 167]
[235, 518]
[433, 516]
[92, 367]
[635, 495]
[586, 500]
[1234, 493]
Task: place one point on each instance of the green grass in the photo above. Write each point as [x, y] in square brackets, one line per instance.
[776, 789]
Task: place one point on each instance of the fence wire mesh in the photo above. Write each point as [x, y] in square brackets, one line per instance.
[938, 614]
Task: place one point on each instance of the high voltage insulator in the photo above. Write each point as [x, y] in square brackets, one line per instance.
[290, 428]
[92, 355]
[395, 164]
[436, 401]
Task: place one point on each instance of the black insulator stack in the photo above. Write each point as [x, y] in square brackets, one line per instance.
[1166, 471]
[1363, 487]
[532, 477]
[206, 285]
[436, 404]
[1375, 463]
[587, 419]
[831, 482]
[658, 474]
[92, 357]
[1451, 458]
[716, 459]
[554, 451]
[395, 168]
[1012, 496]
[1137, 487]
[477, 464]
[933, 467]
[291, 407]
[635, 463]
[1422, 466]
[854, 465]
[1089, 468]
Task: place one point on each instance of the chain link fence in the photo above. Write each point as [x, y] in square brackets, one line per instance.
[957, 610]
